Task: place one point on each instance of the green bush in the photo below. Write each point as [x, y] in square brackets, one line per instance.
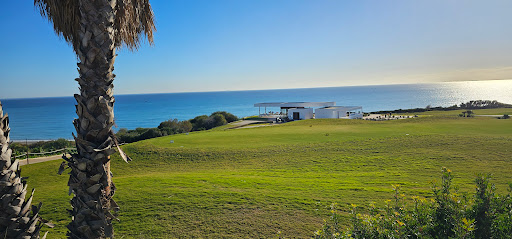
[42, 146]
[228, 116]
[216, 119]
[448, 214]
[127, 136]
[18, 148]
[151, 133]
[174, 126]
[185, 126]
[467, 113]
[172, 123]
[198, 122]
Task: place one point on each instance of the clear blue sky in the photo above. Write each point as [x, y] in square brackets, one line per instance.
[215, 45]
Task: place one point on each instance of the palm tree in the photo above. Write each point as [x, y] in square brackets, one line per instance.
[15, 218]
[95, 28]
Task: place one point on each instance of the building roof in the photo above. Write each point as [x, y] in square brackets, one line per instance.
[295, 104]
[344, 108]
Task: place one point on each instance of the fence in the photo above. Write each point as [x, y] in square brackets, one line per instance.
[66, 150]
[42, 154]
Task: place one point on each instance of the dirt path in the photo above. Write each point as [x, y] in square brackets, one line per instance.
[242, 123]
[384, 117]
[490, 115]
[41, 159]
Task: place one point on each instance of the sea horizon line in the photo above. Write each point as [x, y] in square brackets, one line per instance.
[297, 88]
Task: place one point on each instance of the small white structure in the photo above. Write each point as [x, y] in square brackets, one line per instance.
[285, 107]
[304, 110]
[300, 113]
[339, 112]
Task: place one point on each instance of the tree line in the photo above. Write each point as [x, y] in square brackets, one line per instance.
[175, 126]
[473, 104]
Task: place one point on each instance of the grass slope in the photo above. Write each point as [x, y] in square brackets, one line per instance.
[252, 183]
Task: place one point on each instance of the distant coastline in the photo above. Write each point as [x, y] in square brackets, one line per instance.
[51, 117]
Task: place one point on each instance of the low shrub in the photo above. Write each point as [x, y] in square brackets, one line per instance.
[467, 113]
[216, 119]
[174, 126]
[447, 214]
[228, 116]
[41, 146]
[474, 104]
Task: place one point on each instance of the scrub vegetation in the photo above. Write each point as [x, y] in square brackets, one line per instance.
[174, 126]
[41, 146]
[447, 214]
[280, 181]
[471, 105]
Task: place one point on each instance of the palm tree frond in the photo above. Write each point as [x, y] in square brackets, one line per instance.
[134, 20]
[65, 16]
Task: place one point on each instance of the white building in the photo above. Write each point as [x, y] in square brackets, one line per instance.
[304, 110]
[339, 112]
[300, 113]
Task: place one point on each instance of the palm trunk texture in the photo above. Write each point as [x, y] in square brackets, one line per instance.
[95, 28]
[90, 176]
[15, 218]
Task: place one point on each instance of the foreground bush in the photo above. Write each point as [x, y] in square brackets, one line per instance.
[448, 214]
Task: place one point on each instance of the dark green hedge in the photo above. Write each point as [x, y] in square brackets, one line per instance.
[174, 126]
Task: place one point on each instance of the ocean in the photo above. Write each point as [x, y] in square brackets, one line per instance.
[51, 118]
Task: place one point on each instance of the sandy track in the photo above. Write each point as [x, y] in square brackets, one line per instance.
[41, 159]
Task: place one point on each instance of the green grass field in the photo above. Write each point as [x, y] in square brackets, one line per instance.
[252, 183]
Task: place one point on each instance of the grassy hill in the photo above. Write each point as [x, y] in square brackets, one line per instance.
[252, 183]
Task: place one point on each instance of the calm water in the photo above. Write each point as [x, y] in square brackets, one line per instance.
[51, 118]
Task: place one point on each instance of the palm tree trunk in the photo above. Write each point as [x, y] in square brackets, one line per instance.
[90, 176]
[15, 218]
